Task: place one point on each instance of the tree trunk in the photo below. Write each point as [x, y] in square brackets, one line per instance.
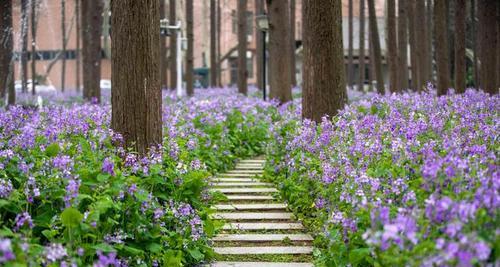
[173, 46]
[242, 47]
[421, 38]
[219, 30]
[91, 49]
[402, 45]
[6, 47]
[429, 54]
[136, 99]
[460, 68]
[189, 52]
[487, 40]
[475, 64]
[259, 10]
[34, 6]
[213, 36]
[371, 63]
[163, 52]
[24, 46]
[350, 49]
[324, 74]
[361, 54]
[411, 5]
[440, 30]
[78, 34]
[376, 47]
[279, 40]
[392, 46]
[63, 56]
[292, 40]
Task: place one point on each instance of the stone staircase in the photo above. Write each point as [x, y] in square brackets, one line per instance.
[258, 230]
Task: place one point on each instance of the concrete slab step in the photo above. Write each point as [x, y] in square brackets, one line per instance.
[217, 179]
[249, 197]
[248, 184]
[250, 206]
[236, 175]
[261, 237]
[263, 226]
[245, 190]
[263, 250]
[253, 215]
[258, 264]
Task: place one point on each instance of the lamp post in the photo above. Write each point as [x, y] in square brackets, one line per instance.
[262, 22]
[165, 30]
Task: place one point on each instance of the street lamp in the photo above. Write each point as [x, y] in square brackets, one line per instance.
[262, 22]
[165, 30]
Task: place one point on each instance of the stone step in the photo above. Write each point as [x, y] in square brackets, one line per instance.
[263, 250]
[253, 215]
[261, 237]
[249, 184]
[216, 179]
[236, 175]
[263, 226]
[252, 161]
[249, 197]
[245, 190]
[258, 264]
[245, 171]
[249, 206]
[249, 167]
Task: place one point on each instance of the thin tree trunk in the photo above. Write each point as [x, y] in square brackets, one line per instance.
[421, 38]
[292, 40]
[443, 70]
[324, 73]
[91, 49]
[242, 47]
[219, 25]
[475, 65]
[6, 47]
[361, 57]
[376, 47]
[163, 52]
[371, 63]
[78, 52]
[34, 5]
[487, 39]
[259, 10]
[428, 17]
[392, 46]
[350, 49]
[279, 40]
[411, 5]
[189, 52]
[173, 46]
[403, 45]
[24, 46]
[136, 99]
[213, 48]
[460, 68]
[63, 56]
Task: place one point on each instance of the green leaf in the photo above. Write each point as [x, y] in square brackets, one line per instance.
[357, 256]
[101, 177]
[49, 234]
[104, 248]
[154, 247]
[172, 258]
[52, 150]
[71, 217]
[133, 251]
[196, 254]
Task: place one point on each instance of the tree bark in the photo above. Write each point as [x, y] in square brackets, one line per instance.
[6, 47]
[24, 46]
[421, 38]
[34, 6]
[279, 40]
[259, 10]
[219, 30]
[376, 47]
[429, 54]
[163, 52]
[213, 48]
[173, 46]
[136, 99]
[350, 49]
[440, 30]
[324, 74]
[371, 63]
[392, 46]
[402, 45]
[411, 5]
[487, 40]
[242, 47]
[78, 52]
[189, 52]
[361, 57]
[460, 68]
[292, 41]
[475, 64]
[91, 49]
[63, 56]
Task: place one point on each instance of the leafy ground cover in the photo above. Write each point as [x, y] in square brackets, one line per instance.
[401, 180]
[72, 195]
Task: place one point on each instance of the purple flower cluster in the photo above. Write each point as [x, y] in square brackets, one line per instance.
[23, 219]
[6, 251]
[5, 188]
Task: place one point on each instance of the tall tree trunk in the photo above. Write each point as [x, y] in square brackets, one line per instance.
[361, 57]
[421, 38]
[63, 56]
[487, 39]
[350, 49]
[376, 47]
[392, 46]
[136, 99]
[440, 30]
[242, 47]
[411, 5]
[34, 6]
[402, 45]
[173, 46]
[24, 46]
[219, 31]
[460, 68]
[371, 63]
[163, 52]
[324, 73]
[292, 40]
[428, 17]
[6, 47]
[279, 40]
[259, 10]
[91, 49]
[475, 64]
[213, 48]
[78, 34]
[189, 52]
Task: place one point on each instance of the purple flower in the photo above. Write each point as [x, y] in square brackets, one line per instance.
[55, 252]
[108, 166]
[23, 219]
[5, 188]
[6, 251]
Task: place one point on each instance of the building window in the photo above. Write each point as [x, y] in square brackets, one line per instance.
[250, 23]
[234, 20]
[250, 64]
